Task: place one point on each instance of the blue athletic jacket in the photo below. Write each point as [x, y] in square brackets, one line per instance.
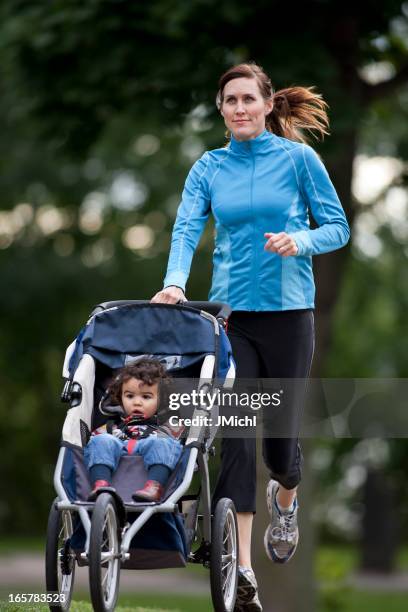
[266, 184]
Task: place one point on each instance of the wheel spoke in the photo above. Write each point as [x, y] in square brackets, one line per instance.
[105, 577]
[227, 579]
[66, 583]
[224, 567]
[107, 588]
[105, 523]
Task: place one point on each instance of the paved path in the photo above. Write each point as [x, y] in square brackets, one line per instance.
[26, 572]
[375, 581]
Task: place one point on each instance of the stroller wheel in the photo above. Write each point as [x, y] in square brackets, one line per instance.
[59, 558]
[104, 554]
[224, 556]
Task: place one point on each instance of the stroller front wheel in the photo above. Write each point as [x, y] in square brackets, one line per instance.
[59, 558]
[104, 557]
[224, 556]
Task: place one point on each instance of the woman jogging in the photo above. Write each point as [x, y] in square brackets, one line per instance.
[260, 189]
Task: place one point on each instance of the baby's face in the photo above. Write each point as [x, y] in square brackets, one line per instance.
[139, 398]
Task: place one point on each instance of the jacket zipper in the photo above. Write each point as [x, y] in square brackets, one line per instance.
[254, 249]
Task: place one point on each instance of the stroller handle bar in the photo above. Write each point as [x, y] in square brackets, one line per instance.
[216, 309]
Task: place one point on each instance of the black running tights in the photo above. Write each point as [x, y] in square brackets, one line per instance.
[265, 345]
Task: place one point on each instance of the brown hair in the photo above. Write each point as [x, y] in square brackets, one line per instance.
[294, 108]
[149, 371]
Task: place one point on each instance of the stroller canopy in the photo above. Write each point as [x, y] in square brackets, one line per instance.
[178, 335]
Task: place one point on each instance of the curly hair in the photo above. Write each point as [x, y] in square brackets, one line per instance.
[149, 371]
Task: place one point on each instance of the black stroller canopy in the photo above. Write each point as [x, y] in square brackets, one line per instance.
[156, 329]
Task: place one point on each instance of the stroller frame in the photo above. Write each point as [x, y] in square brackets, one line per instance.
[199, 444]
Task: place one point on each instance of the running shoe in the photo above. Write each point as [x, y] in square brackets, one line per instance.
[282, 534]
[247, 592]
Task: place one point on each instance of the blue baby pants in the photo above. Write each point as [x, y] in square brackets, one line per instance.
[105, 449]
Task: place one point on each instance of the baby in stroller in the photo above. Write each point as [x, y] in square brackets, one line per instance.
[134, 430]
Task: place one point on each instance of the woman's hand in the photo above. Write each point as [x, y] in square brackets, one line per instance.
[282, 244]
[169, 295]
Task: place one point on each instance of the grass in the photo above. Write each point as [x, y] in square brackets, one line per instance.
[361, 601]
[14, 544]
[348, 557]
[163, 602]
[143, 602]
[353, 601]
[402, 558]
[334, 564]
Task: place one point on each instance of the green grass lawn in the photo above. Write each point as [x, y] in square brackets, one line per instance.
[361, 601]
[353, 601]
[334, 564]
[346, 559]
[15, 545]
[145, 602]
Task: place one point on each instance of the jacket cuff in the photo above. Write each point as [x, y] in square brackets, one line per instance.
[177, 278]
[303, 242]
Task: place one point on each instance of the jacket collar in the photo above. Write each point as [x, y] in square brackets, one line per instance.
[255, 145]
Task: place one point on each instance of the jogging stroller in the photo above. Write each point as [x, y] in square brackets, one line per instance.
[114, 531]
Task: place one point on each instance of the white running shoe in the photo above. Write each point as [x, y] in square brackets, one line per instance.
[282, 534]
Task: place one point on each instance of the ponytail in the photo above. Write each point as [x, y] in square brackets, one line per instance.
[294, 109]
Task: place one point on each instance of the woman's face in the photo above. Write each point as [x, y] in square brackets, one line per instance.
[244, 109]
